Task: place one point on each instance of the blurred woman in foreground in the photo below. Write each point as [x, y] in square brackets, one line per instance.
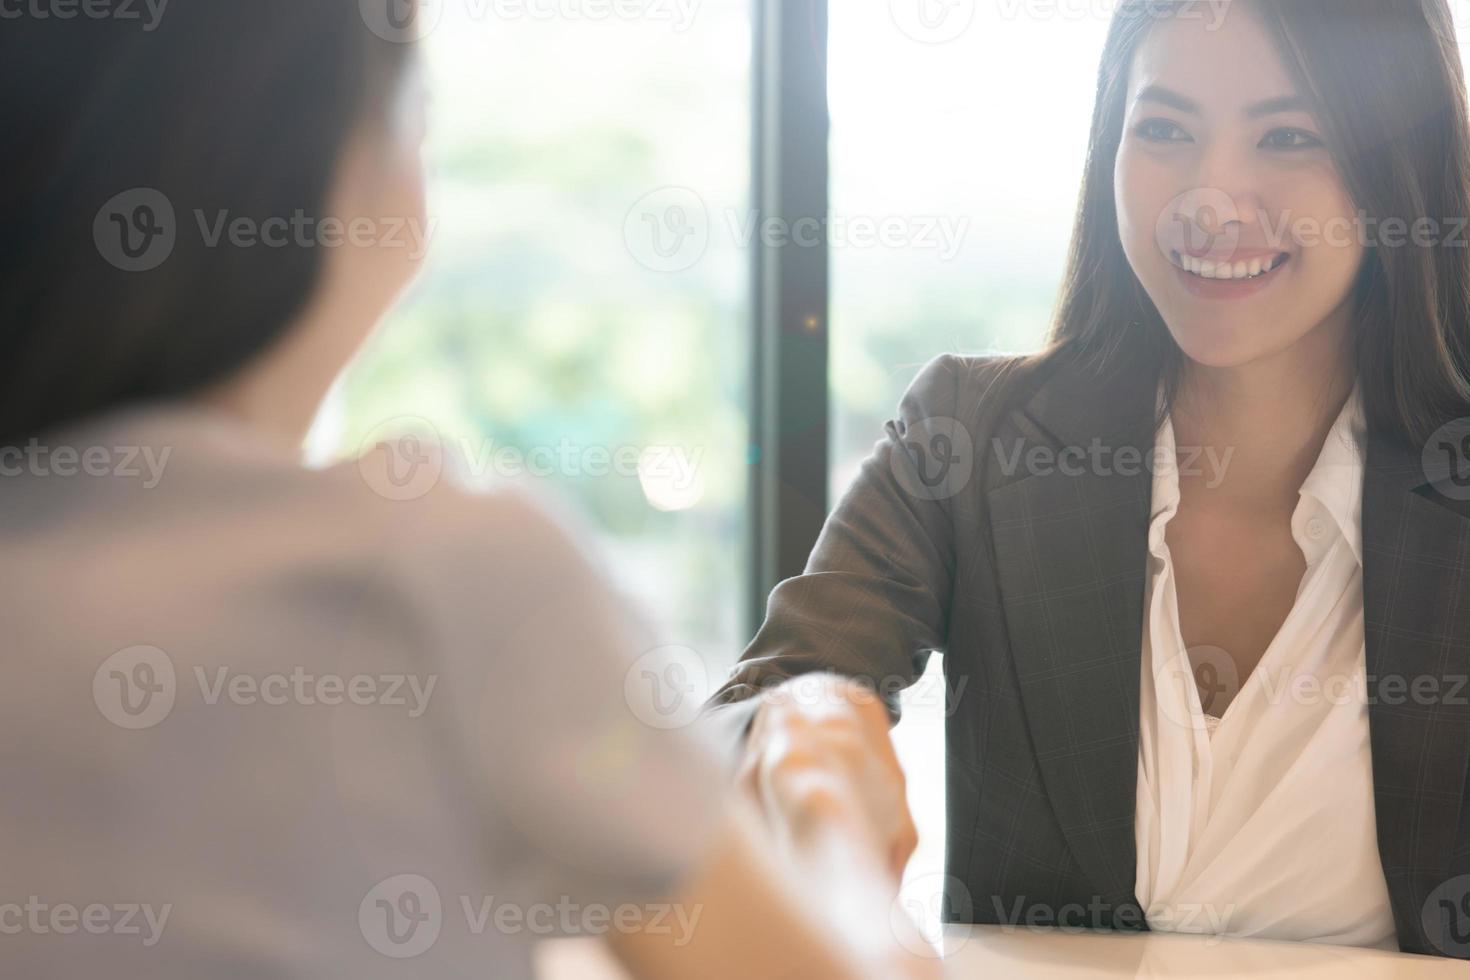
[267, 722]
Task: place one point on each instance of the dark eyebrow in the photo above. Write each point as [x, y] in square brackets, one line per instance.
[1171, 98]
[1168, 97]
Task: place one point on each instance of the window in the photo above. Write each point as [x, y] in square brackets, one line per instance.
[581, 322]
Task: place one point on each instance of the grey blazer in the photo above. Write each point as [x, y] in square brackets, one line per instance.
[1030, 578]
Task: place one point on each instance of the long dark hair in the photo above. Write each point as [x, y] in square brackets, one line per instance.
[1387, 84]
[217, 105]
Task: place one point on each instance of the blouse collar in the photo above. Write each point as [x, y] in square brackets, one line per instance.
[1331, 492]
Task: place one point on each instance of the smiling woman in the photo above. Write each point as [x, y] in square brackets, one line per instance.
[1211, 194]
[1136, 656]
[1355, 121]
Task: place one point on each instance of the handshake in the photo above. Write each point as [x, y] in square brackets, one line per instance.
[819, 765]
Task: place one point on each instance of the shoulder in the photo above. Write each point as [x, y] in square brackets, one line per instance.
[456, 539]
[389, 533]
[949, 374]
[977, 390]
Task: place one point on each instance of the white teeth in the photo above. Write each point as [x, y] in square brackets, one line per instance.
[1209, 269]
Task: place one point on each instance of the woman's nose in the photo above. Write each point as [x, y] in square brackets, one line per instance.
[1234, 195]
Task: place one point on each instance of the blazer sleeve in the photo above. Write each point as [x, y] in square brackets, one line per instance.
[875, 597]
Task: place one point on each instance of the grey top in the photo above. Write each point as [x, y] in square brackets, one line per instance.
[262, 721]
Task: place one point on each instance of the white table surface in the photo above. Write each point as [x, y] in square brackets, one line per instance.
[995, 951]
[1006, 953]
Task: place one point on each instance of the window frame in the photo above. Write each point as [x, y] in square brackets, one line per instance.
[790, 294]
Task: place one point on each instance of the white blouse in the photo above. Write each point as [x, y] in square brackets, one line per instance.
[1261, 822]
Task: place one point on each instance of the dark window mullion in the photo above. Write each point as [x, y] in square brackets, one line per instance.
[790, 292]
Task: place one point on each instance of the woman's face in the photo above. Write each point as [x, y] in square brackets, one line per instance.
[1221, 171]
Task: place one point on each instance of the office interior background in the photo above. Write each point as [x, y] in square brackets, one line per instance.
[602, 280]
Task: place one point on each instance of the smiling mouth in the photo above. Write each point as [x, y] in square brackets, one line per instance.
[1241, 270]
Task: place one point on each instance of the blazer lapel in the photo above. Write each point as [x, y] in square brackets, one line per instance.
[1071, 554]
[1416, 617]
[1071, 542]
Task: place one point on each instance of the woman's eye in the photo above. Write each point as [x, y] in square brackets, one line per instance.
[1161, 131]
[1290, 139]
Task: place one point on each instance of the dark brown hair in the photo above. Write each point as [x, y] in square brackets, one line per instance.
[218, 105]
[1386, 82]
